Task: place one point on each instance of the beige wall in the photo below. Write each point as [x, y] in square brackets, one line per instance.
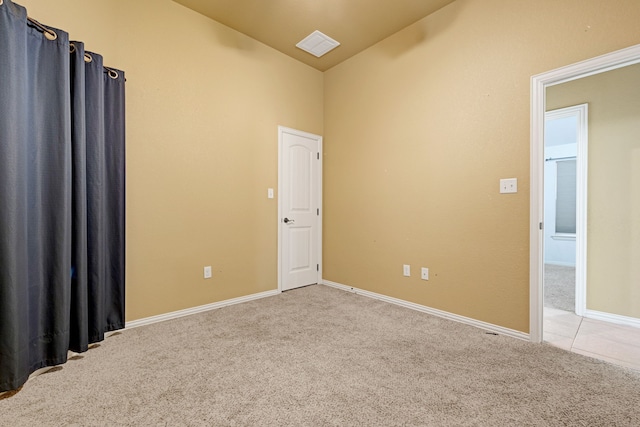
[418, 131]
[203, 106]
[613, 212]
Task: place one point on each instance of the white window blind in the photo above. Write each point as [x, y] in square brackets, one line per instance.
[566, 197]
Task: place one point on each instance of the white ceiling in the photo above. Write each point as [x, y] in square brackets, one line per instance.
[281, 24]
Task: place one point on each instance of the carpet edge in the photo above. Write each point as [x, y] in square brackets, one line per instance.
[433, 311]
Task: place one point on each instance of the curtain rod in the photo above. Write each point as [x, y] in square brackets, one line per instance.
[49, 34]
[559, 158]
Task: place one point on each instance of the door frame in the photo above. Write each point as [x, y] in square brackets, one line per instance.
[281, 131]
[581, 112]
[539, 83]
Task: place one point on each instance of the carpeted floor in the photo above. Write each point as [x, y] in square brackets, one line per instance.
[318, 356]
[560, 287]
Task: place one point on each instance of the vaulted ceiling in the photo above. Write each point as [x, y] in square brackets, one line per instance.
[281, 24]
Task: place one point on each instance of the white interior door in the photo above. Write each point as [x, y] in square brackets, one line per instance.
[299, 202]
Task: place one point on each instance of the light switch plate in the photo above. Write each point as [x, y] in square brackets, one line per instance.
[509, 185]
[406, 270]
[270, 193]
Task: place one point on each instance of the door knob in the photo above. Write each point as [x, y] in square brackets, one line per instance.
[287, 221]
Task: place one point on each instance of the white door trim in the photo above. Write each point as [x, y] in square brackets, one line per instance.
[281, 131]
[581, 112]
[539, 83]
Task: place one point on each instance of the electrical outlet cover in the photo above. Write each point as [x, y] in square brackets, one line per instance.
[509, 185]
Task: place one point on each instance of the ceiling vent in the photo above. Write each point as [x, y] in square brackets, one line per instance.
[317, 44]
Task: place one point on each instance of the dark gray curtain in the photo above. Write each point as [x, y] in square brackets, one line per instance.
[61, 198]
[79, 337]
[114, 156]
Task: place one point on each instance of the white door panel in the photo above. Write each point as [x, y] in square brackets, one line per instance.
[299, 227]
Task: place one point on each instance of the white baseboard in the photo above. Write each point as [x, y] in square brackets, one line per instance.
[435, 312]
[199, 309]
[612, 318]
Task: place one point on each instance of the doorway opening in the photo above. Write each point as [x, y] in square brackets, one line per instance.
[565, 191]
[564, 197]
[539, 85]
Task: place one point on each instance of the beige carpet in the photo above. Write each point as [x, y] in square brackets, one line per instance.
[560, 287]
[318, 356]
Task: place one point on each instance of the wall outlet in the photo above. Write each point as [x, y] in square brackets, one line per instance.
[424, 274]
[207, 272]
[509, 185]
[406, 270]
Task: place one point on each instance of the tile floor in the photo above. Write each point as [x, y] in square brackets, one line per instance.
[617, 344]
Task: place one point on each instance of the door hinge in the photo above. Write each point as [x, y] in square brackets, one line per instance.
[540, 226]
[317, 267]
[318, 153]
[318, 211]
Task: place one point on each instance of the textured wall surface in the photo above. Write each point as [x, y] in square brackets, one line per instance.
[203, 107]
[420, 128]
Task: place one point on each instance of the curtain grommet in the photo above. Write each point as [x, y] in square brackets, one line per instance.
[113, 74]
[87, 58]
[72, 48]
[50, 35]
